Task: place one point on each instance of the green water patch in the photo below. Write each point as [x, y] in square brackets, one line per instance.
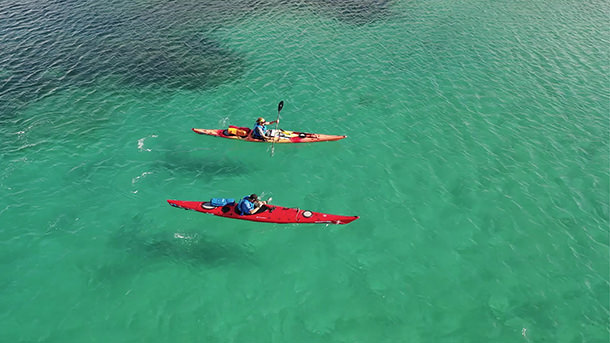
[81, 47]
[133, 45]
[350, 11]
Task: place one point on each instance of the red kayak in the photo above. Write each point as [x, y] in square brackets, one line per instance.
[279, 136]
[267, 214]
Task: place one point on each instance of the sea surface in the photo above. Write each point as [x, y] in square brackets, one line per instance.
[477, 158]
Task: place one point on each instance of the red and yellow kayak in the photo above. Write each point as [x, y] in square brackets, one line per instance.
[268, 214]
[279, 136]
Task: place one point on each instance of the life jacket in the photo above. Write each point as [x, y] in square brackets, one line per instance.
[255, 131]
[245, 206]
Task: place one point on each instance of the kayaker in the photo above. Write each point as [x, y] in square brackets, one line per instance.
[260, 128]
[250, 204]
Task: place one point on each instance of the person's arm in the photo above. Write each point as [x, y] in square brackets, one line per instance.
[268, 136]
[263, 135]
[257, 206]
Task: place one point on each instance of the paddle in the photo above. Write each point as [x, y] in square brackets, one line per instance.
[279, 108]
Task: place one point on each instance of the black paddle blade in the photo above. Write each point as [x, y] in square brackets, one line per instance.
[280, 105]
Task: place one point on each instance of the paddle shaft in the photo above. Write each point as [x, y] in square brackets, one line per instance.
[279, 108]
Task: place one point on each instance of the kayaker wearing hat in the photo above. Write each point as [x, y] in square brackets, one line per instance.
[250, 204]
[260, 129]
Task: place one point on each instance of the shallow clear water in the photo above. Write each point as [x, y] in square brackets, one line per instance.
[476, 157]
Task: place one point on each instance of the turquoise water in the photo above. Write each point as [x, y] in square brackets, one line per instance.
[477, 158]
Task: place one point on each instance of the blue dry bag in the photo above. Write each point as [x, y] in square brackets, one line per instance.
[221, 201]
